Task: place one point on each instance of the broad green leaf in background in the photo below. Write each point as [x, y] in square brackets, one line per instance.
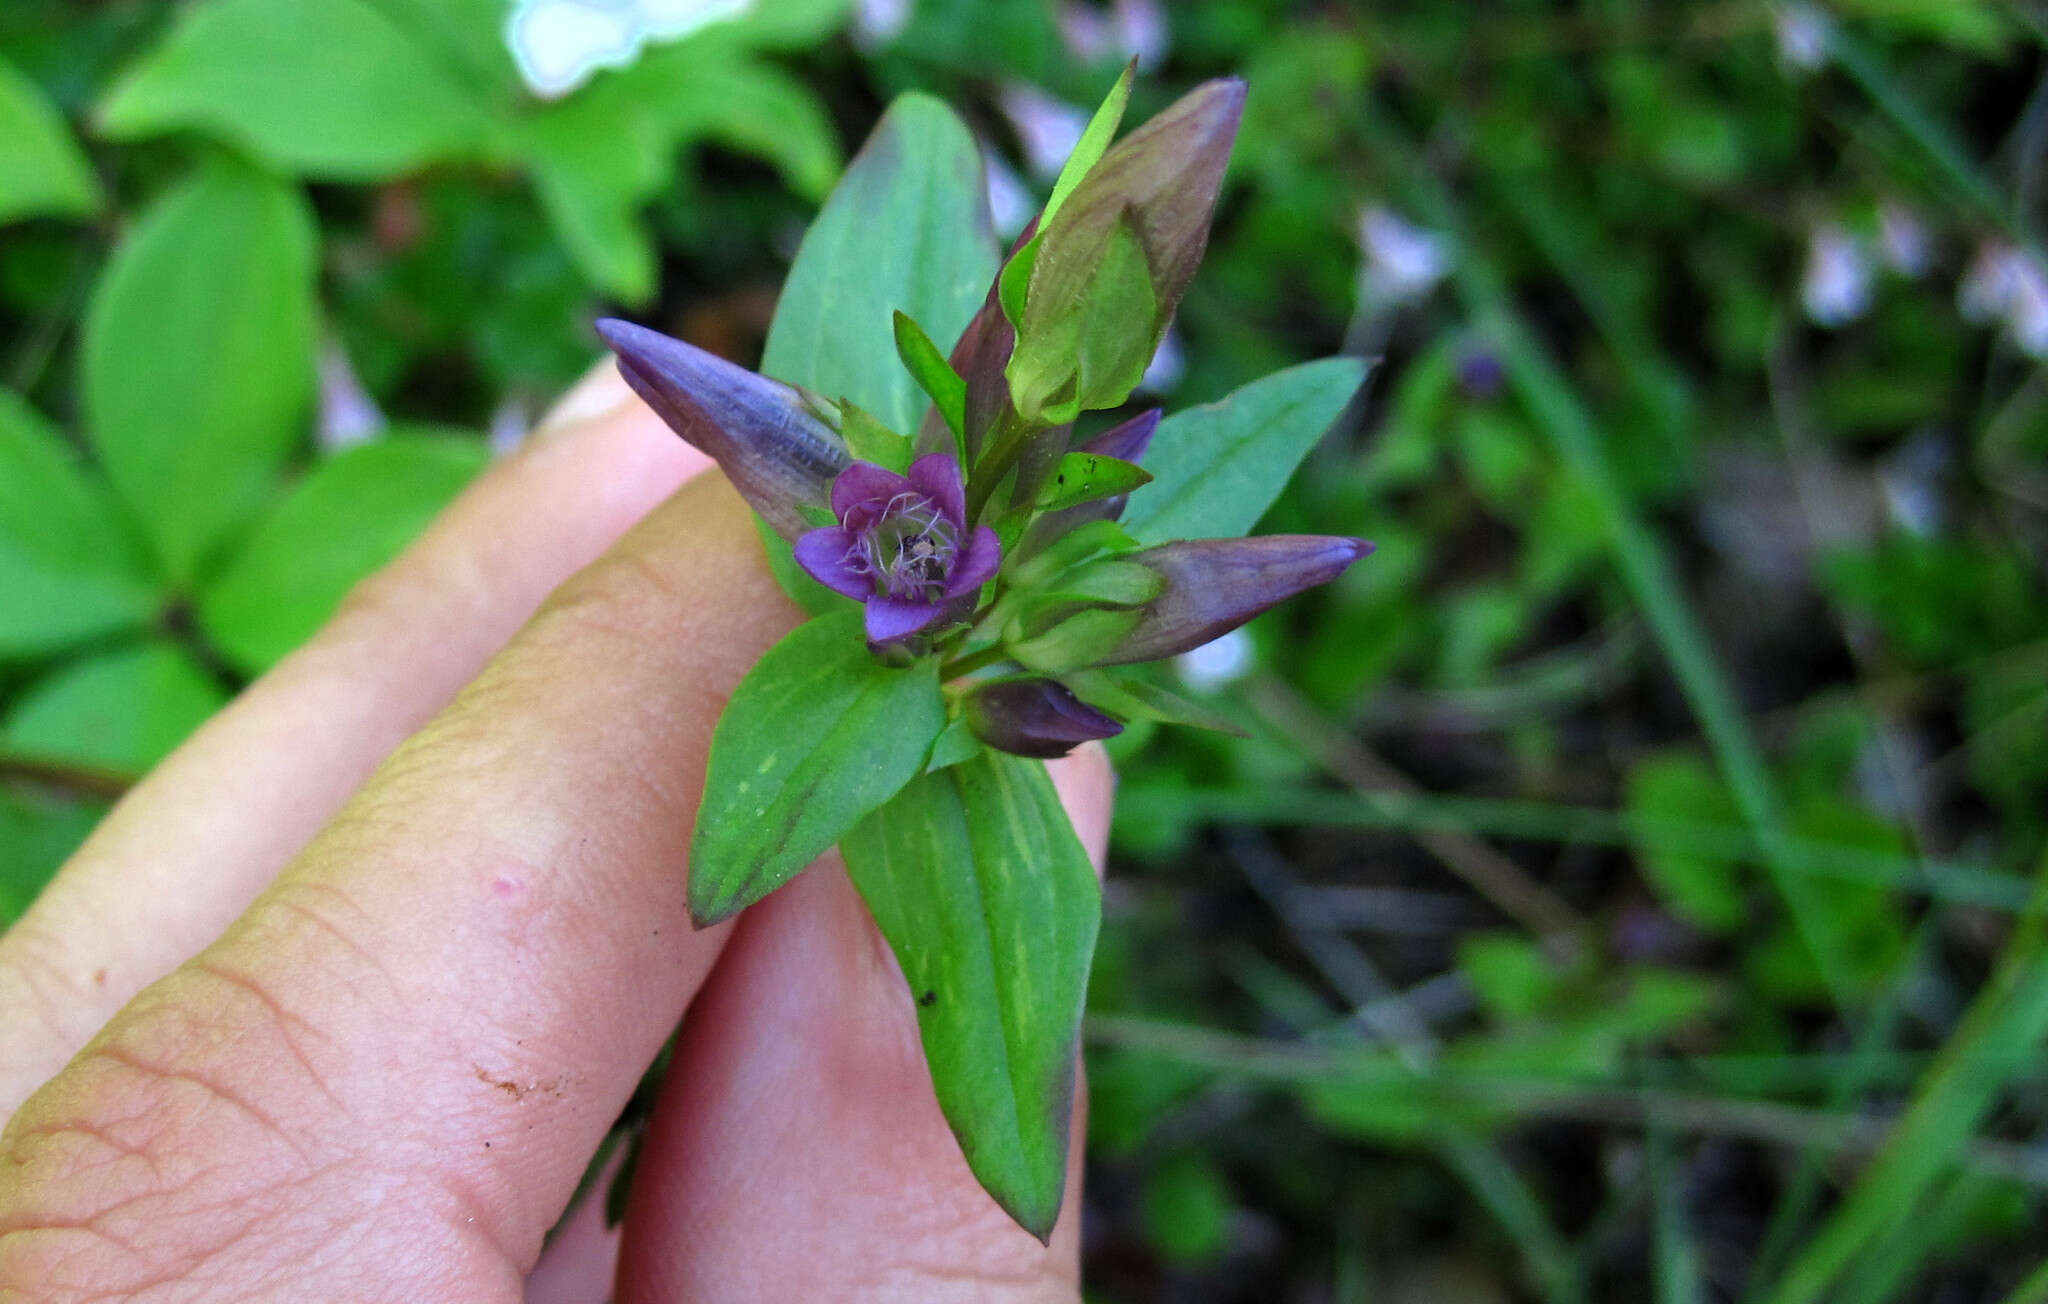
[38, 832]
[603, 154]
[1664, 795]
[1218, 468]
[906, 231]
[42, 172]
[975, 877]
[198, 356]
[68, 569]
[817, 735]
[326, 88]
[121, 712]
[349, 516]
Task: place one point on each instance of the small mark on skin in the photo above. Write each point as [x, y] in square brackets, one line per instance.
[929, 999]
[99, 977]
[520, 1090]
[507, 887]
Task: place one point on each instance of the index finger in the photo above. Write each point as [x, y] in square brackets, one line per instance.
[422, 1029]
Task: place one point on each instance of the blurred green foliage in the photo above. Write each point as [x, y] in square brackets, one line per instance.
[1628, 852]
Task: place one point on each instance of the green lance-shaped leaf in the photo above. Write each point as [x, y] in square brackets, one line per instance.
[1218, 468]
[198, 356]
[350, 515]
[42, 172]
[976, 879]
[907, 230]
[816, 736]
[335, 89]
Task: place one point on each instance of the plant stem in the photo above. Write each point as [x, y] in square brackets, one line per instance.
[967, 665]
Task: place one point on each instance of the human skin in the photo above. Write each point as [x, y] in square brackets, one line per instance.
[337, 1003]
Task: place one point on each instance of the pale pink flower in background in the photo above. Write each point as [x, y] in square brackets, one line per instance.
[1908, 247]
[1128, 29]
[1047, 129]
[1804, 34]
[1403, 262]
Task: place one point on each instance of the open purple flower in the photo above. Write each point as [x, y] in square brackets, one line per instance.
[902, 544]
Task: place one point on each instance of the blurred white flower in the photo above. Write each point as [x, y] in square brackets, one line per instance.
[877, 23]
[1129, 29]
[1048, 129]
[1218, 664]
[1804, 34]
[1011, 203]
[1163, 374]
[1836, 287]
[1908, 248]
[560, 44]
[1403, 262]
[348, 415]
[2008, 285]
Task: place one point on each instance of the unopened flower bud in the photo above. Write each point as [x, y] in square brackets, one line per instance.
[1035, 717]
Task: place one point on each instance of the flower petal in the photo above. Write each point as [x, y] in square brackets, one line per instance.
[977, 562]
[1215, 585]
[937, 477]
[889, 619]
[864, 482]
[827, 555]
[773, 448]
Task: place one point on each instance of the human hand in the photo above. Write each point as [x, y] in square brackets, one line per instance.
[339, 1001]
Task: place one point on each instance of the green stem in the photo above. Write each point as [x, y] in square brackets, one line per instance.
[967, 665]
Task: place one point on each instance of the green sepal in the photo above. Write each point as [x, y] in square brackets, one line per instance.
[975, 878]
[817, 735]
[936, 377]
[1085, 477]
[1013, 283]
[1094, 142]
[1082, 639]
[871, 441]
[1132, 698]
[955, 743]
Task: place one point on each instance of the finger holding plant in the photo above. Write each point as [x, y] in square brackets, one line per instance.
[980, 587]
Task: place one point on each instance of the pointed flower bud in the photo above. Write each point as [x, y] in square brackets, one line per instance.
[1109, 269]
[1034, 717]
[902, 545]
[1214, 585]
[776, 451]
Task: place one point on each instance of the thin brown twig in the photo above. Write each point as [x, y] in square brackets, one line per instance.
[1488, 872]
[80, 780]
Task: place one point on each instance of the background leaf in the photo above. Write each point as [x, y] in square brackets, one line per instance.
[198, 356]
[817, 735]
[69, 569]
[990, 903]
[325, 88]
[1216, 469]
[42, 172]
[349, 516]
[975, 876]
[603, 154]
[38, 832]
[906, 231]
[122, 711]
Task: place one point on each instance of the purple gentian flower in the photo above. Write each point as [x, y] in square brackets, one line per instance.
[902, 545]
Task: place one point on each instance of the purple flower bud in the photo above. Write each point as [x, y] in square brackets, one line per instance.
[1112, 263]
[902, 545]
[1215, 585]
[1035, 717]
[777, 452]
